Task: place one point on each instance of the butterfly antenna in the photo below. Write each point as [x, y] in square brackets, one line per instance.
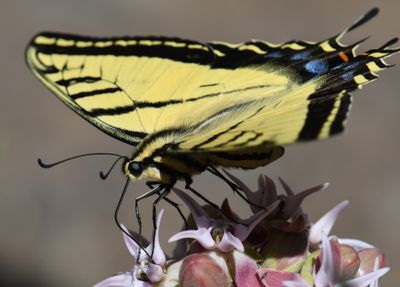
[50, 165]
[103, 175]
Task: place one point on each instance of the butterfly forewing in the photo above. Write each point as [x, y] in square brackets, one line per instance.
[111, 82]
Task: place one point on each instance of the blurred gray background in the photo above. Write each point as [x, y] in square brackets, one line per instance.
[57, 225]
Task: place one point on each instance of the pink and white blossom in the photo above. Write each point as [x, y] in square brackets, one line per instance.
[277, 246]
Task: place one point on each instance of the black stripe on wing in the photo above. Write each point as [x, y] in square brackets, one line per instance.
[341, 116]
[317, 114]
[95, 93]
[176, 49]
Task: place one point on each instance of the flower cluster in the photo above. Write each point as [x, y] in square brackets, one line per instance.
[275, 247]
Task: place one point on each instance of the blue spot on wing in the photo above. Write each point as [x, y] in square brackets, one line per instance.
[301, 56]
[317, 67]
[275, 54]
[345, 66]
[348, 75]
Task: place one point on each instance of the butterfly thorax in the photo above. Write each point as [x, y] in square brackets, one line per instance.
[154, 158]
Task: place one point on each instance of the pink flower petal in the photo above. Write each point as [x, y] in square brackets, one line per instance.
[326, 222]
[201, 235]
[293, 202]
[242, 231]
[230, 242]
[119, 280]
[245, 270]
[200, 270]
[265, 195]
[274, 278]
[286, 187]
[268, 189]
[200, 216]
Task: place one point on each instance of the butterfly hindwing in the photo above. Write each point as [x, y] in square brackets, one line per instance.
[314, 106]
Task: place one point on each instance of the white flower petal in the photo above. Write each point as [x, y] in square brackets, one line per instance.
[158, 254]
[376, 267]
[130, 244]
[230, 242]
[201, 235]
[154, 272]
[355, 243]
[326, 222]
[295, 284]
[329, 271]
[364, 280]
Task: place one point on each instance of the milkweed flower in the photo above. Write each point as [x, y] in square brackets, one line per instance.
[276, 246]
[145, 271]
[224, 233]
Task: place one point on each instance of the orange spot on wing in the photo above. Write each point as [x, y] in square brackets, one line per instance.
[343, 56]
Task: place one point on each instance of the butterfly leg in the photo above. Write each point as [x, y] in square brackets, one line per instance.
[173, 203]
[155, 190]
[233, 186]
[116, 212]
[198, 194]
[161, 195]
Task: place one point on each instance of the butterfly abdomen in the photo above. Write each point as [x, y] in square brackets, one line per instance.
[247, 158]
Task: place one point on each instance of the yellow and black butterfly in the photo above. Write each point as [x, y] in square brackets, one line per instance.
[187, 106]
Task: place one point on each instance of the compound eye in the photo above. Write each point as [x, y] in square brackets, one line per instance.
[135, 168]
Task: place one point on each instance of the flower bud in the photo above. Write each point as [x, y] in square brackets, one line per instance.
[368, 257]
[285, 251]
[200, 270]
[350, 262]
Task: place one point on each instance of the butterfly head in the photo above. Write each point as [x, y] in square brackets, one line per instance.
[135, 169]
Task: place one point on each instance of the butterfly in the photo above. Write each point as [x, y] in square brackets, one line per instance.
[187, 106]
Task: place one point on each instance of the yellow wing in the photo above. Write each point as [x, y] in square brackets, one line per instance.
[314, 105]
[110, 81]
[219, 96]
[132, 87]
